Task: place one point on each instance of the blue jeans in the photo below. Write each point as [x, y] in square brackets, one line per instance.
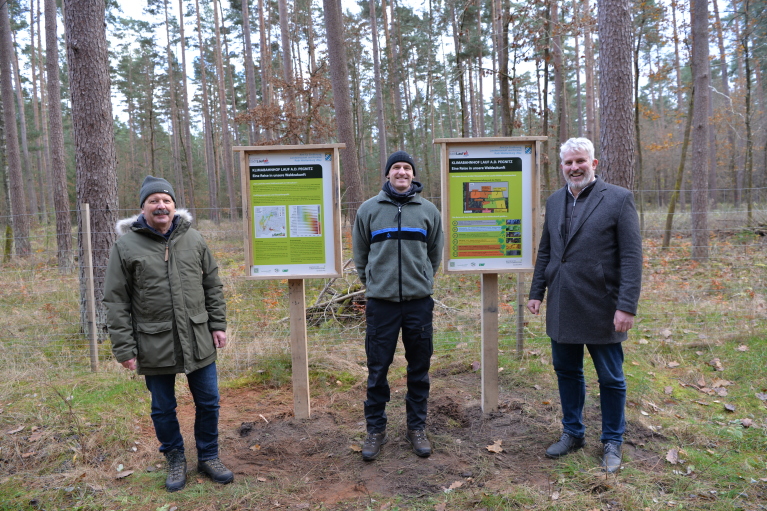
[204, 386]
[608, 361]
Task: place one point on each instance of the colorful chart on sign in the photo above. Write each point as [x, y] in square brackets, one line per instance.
[489, 197]
[288, 193]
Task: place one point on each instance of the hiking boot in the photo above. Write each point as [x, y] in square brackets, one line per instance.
[372, 446]
[176, 470]
[566, 444]
[215, 470]
[611, 461]
[421, 445]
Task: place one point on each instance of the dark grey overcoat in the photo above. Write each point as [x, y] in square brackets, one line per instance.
[594, 273]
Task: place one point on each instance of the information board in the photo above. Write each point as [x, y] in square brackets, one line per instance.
[293, 211]
[488, 200]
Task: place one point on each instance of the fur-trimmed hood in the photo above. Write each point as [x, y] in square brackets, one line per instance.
[124, 226]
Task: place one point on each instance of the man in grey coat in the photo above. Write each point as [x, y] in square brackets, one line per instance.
[590, 260]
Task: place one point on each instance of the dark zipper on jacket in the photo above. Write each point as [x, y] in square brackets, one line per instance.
[399, 247]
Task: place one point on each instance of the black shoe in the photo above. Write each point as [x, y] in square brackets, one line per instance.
[611, 461]
[176, 470]
[566, 444]
[215, 470]
[372, 446]
[421, 445]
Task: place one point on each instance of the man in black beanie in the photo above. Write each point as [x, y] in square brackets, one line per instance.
[397, 241]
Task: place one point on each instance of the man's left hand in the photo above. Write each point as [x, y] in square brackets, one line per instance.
[219, 338]
[623, 321]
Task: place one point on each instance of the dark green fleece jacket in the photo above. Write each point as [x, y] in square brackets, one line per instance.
[397, 247]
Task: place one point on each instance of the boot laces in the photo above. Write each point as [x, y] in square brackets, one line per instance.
[176, 464]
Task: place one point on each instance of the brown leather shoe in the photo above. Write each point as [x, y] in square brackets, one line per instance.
[372, 446]
[421, 445]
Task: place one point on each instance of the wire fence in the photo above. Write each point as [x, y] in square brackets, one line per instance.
[683, 300]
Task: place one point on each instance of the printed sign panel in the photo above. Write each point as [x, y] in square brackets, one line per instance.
[292, 213]
[489, 206]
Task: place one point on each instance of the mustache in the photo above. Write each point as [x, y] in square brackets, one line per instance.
[161, 212]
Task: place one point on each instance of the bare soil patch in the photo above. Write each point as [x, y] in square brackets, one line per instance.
[315, 461]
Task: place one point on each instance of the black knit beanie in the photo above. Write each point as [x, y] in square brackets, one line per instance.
[399, 156]
[152, 185]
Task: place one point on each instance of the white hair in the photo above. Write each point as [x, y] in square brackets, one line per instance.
[577, 144]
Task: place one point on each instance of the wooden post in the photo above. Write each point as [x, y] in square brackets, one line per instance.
[489, 342]
[299, 348]
[521, 305]
[90, 293]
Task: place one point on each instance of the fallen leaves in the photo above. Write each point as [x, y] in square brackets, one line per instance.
[495, 447]
[716, 364]
[455, 485]
[15, 430]
[673, 364]
[123, 474]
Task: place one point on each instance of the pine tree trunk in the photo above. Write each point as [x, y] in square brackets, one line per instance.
[185, 122]
[615, 93]
[588, 53]
[250, 72]
[174, 118]
[560, 91]
[93, 129]
[58, 169]
[382, 151]
[700, 128]
[33, 208]
[226, 136]
[18, 202]
[339, 77]
[210, 156]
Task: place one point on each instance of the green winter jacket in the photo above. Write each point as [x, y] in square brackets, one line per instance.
[163, 298]
[397, 247]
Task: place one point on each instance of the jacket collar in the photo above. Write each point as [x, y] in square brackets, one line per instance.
[125, 225]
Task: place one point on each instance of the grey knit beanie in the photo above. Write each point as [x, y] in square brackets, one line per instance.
[152, 185]
[399, 156]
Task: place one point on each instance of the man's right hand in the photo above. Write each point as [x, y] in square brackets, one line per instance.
[129, 364]
[534, 306]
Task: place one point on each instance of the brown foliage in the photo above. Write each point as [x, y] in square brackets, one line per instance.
[309, 123]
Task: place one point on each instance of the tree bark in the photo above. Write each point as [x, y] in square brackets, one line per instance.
[93, 129]
[679, 174]
[226, 136]
[31, 202]
[250, 72]
[588, 53]
[58, 168]
[382, 151]
[17, 199]
[174, 118]
[700, 135]
[339, 76]
[560, 91]
[210, 157]
[185, 121]
[615, 93]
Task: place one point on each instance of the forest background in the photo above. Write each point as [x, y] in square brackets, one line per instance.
[169, 94]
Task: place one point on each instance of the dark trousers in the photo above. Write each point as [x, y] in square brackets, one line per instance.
[204, 386]
[385, 319]
[608, 361]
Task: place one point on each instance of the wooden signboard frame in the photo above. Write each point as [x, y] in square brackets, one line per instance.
[500, 160]
[302, 162]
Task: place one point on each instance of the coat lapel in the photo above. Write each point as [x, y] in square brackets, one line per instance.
[592, 201]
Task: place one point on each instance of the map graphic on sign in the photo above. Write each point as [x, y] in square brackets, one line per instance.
[269, 222]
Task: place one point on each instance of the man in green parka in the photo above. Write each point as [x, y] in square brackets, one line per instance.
[166, 315]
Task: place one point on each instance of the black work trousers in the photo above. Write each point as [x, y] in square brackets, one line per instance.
[385, 319]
